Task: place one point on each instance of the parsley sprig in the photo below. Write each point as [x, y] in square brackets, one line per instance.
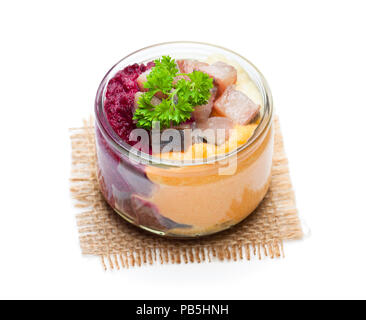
[180, 96]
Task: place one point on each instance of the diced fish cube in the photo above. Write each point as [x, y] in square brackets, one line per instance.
[172, 140]
[202, 113]
[236, 106]
[216, 130]
[185, 125]
[142, 78]
[223, 74]
[189, 65]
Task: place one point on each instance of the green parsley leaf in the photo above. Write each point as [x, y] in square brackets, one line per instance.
[180, 97]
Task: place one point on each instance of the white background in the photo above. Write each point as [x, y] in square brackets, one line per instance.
[53, 56]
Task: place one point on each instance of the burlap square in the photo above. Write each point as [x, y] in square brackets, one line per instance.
[104, 233]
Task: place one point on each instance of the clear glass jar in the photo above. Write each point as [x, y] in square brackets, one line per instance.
[184, 199]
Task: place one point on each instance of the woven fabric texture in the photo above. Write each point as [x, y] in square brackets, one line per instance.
[104, 233]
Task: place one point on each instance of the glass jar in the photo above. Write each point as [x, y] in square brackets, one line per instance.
[185, 199]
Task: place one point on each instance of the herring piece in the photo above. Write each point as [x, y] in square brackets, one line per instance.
[190, 65]
[236, 106]
[202, 113]
[172, 140]
[215, 130]
[141, 79]
[184, 125]
[223, 74]
[176, 79]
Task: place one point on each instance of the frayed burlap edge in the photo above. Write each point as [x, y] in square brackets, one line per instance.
[121, 245]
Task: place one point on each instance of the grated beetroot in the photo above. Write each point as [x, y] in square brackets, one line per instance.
[119, 100]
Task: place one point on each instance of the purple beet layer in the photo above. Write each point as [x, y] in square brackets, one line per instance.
[119, 99]
[123, 182]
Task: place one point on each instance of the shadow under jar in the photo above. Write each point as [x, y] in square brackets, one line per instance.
[189, 199]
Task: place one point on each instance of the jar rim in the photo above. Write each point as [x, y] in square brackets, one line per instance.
[122, 147]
